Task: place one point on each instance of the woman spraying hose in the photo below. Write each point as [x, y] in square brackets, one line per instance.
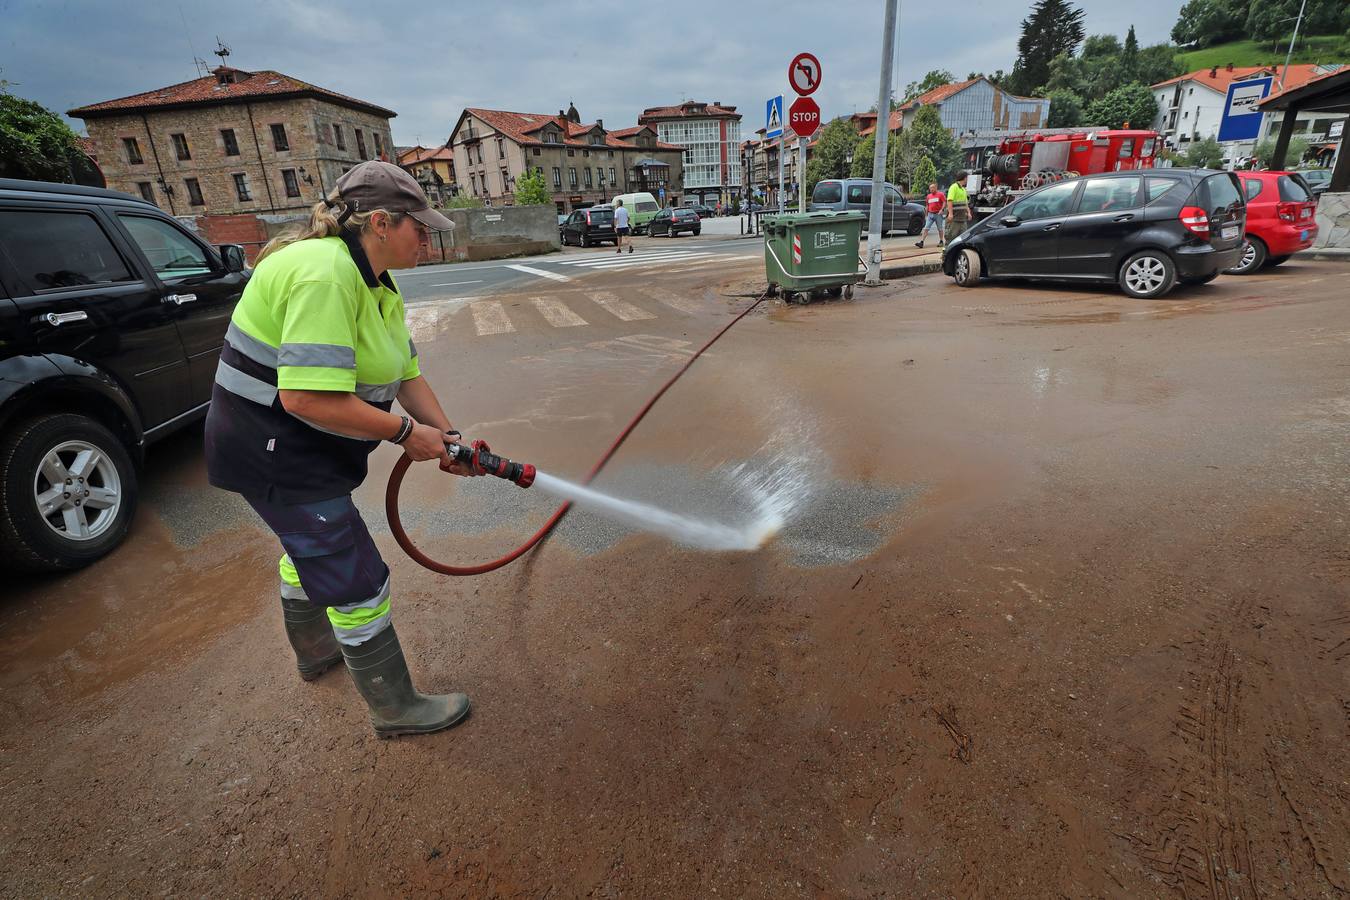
[316, 352]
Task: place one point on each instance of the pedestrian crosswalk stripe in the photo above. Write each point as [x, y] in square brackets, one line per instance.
[619, 308]
[639, 263]
[684, 304]
[602, 259]
[540, 272]
[489, 317]
[557, 313]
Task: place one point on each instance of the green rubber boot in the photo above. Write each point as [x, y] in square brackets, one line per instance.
[311, 636]
[381, 675]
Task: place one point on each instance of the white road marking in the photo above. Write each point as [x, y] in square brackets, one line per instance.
[634, 263]
[422, 322]
[540, 272]
[557, 313]
[489, 317]
[686, 305]
[453, 283]
[619, 308]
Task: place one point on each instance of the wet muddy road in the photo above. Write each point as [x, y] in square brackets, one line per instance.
[1066, 613]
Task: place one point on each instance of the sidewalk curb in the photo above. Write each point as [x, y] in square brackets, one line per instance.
[906, 269]
[1338, 254]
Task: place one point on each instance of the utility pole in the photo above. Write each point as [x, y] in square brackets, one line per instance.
[1290, 54]
[883, 133]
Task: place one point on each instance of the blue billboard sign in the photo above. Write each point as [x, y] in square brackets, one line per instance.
[1241, 115]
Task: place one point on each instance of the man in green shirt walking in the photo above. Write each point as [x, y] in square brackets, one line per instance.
[959, 202]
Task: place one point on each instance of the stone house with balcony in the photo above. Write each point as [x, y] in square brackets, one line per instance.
[234, 142]
[583, 165]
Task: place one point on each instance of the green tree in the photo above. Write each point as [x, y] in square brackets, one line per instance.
[934, 79]
[1206, 154]
[1265, 152]
[463, 201]
[997, 78]
[927, 137]
[1101, 45]
[1273, 20]
[1129, 55]
[1066, 109]
[1205, 23]
[830, 158]
[531, 190]
[1052, 28]
[34, 142]
[1157, 63]
[925, 173]
[1132, 104]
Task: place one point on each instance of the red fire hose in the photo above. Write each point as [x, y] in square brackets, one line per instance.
[401, 467]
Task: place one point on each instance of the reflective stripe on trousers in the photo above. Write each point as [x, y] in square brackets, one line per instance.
[330, 551]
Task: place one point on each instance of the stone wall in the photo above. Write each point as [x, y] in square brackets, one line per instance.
[1333, 222]
[494, 233]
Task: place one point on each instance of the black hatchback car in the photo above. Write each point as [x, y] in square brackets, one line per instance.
[1146, 230]
[673, 220]
[586, 227]
[112, 317]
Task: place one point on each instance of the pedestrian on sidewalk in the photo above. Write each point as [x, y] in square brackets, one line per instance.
[316, 353]
[621, 226]
[958, 204]
[937, 215]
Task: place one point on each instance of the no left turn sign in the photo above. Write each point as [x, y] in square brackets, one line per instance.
[804, 73]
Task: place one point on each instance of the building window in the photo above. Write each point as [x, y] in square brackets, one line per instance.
[291, 182]
[379, 144]
[571, 153]
[501, 149]
[572, 176]
[600, 177]
[147, 192]
[589, 182]
[338, 138]
[611, 154]
[279, 141]
[180, 146]
[537, 151]
[241, 187]
[586, 153]
[231, 143]
[557, 178]
[480, 154]
[194, 189]
[133, 150]
[361, 144]
[612, 179]
[506, 176]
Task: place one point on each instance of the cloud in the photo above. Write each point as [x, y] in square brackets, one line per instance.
[611, 58]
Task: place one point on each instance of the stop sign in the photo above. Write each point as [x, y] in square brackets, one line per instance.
[804, 116]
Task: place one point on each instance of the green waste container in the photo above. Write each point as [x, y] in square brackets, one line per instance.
[812, 254]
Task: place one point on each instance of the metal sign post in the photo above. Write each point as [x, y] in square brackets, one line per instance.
[883, 132]
[804, 76]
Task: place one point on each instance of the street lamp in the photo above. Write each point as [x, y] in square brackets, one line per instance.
[305, 176]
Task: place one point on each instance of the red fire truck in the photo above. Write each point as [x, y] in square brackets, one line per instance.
[1004, 166]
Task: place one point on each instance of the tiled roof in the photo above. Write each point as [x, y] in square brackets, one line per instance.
[689, 110]
[523, 128]
[1338, 72]
[1222, 77]
[896, 120]
[409, 156]
[211, 91]
[941, 92]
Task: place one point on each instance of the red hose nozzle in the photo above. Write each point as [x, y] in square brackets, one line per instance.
[480, 457]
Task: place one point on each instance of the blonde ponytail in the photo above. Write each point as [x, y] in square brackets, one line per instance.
[323, 222]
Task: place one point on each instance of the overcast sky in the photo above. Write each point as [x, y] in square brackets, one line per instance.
[428, 60]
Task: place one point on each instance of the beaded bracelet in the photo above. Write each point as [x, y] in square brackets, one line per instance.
[404, 429]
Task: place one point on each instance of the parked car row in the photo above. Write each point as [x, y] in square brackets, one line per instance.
[112, 318]
[1145, 230]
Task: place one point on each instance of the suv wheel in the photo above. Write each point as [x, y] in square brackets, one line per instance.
[1253, 257]
[67, 493]
[1148, 274]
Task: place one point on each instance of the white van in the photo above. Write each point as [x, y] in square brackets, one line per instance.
[642, 208]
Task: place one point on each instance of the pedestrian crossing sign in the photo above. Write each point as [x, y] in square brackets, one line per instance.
[773, 117]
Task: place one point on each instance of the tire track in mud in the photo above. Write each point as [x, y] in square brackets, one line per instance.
[1199, 844]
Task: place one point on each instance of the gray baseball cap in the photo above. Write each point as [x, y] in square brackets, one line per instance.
[380, 185]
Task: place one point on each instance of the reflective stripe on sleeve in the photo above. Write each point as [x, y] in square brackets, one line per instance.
[244, 385]
[378, 393]
[249, 346]
[327, 356]
[360, 622]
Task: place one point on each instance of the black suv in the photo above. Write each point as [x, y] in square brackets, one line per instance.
[1146, 230]
[112, 316]
[590, 226]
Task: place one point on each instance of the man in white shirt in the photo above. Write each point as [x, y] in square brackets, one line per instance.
[621, 225]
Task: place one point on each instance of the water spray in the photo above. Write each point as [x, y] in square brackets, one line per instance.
[481, 457]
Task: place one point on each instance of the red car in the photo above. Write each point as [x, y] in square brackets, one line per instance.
[1281, 219]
